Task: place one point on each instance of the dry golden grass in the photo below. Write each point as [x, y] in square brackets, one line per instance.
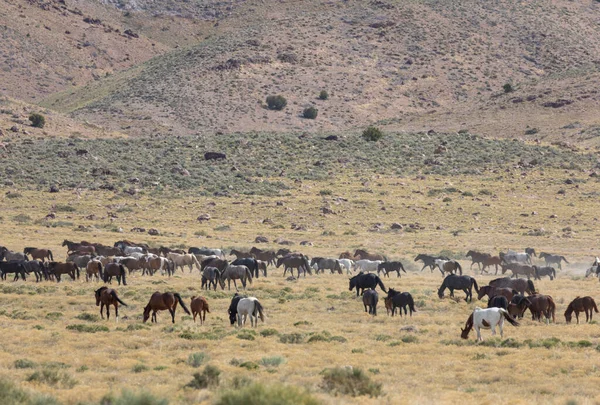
[433, 368]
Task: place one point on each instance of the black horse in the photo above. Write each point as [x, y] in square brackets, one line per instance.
[370, 299]
[232, 311]
[498, 301]
[391, 266]
[454, 282]
[429, 260]
[38, 268]
[249, 262]
[362, 281]
[401, 300]
[518, 305]
[14, 266]
[544, 271]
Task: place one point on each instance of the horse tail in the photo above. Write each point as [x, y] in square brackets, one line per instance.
[564, 258]
[122, 268]
[402, 267]
[531, 286]
[206, 305]
[114, 295]
[475, 285]
[249, 275]
[259, 308]
[411, 303]
[459, 268]
[176, 295]
[594, 304]
[100, 270]
[551, 307]
[507, 316]
[381, 284]
[52, 258]
[196, 262]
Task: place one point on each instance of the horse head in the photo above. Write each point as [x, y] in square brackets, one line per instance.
[147, 312]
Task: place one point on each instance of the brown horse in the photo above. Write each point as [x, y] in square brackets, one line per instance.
[93, 269]
[364, 255]
[39, 254]
[160, 302]
[199, 304]
[542, 305]
[267, 256]
[240, 254]
[108, 296]
[516, 269]
[73, 247]
[520, 284]
[294, 262]
[389, 306]
[495, 291]
[585, 304]
[477, 257]
[57, 269]
[114, 269]
[518, 305]
[347, 255]
[491, 261]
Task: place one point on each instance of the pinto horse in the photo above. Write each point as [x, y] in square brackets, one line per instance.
[429, 260]
[161, 301]
[108, 296]
[39, 254]
[448, 266]
[487, 318]
[579, 304]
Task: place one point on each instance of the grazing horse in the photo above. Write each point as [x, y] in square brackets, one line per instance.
[429, 260]
[249, 306]
[160, 302]
[249, 262]
[520, 284]
[232, 311]
[198, 305]
[401, 300]
[477, 257]
[93, 269]
[542, 305]
[348, 264]
[210, 276]
[454, 282]
[518, 305]
[298, 262]
[495, 291]
[114, 269]
[14, 266]
[487, 318]
[391, 266]
[329, 264]
[108, 296]
[370, 299]
[184, 260]
[498, 301]
[39, 254]
[579, 304]
[366, 265]
[553, 259]
[517, 268]
[491, 261]
[38, 268]
[235, 272]
[448, 266]
[362, 281]
[544, 271]
[361, 254]
[57, 269]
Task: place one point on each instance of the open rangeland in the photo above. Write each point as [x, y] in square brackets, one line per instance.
[313, 323]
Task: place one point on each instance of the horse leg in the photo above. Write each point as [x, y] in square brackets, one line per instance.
[194, 313]
[365, 307]
[117, 311]
[102, 309]
[424, 267]
[235, 284]
[172, 311]
[479, 338]
[108, 312]
[500, 325]
[577, 316]
[154, 316]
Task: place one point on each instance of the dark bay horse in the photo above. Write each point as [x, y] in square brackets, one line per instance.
[498, 301]
[429, 260]
[199, 306]
[391, 266]
[544, 271]
[73, 247]
[108, 296]
[38, 268]
[494, 291]
[362, 254]
[581, 304]
[57, 269]
[520, 284]
[164, 301]
[518, 305]
[370, 299]
[298, 262]
[14, 266]
[114, 269]
[491, 261]
[454, 282]
[249, 262]
[401, 301]
[542, 305]
[477, 257]
[362, 281]
[39, 254]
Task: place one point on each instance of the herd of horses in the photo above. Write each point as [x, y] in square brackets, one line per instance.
[507, 299]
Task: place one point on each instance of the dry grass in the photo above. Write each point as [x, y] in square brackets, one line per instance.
[157, 357]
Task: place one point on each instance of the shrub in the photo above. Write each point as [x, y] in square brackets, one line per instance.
[349, 381]
[246, 335]
[323, 95]
[84, 316]
[508, 88]
[273, 361]
[259, 394]
[276, 103]
[292, 338]
[88, 328]
[196, 359]
[24, 363]
[310, 113]
[372, 134]
[129, 398]
[52, 377]
[269, 332]
[208, 378]
[138, 368]
[249, 365]
[13, 395]
[37, 120]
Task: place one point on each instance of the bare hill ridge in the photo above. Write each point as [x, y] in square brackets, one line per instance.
[404, 65]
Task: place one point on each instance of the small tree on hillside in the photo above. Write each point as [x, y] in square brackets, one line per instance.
[310, 113]
[37, 120]
[372, 134]
[276, 102]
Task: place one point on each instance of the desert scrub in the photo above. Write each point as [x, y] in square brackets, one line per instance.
[260, 394]
[276, 103]
[349, 381]
[52, 377]
[196, 359]
[10, 394]
[130, 398]
[37, 120]
[208, 378]
[323, 95]
[372, 134]
[88, 328]
[310, 113]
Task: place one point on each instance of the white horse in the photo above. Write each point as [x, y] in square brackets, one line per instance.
[347, 264]
[367, 265]
[487, 318]
[187, 259]
[516, 257]
[249, 306]
[128, 250]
